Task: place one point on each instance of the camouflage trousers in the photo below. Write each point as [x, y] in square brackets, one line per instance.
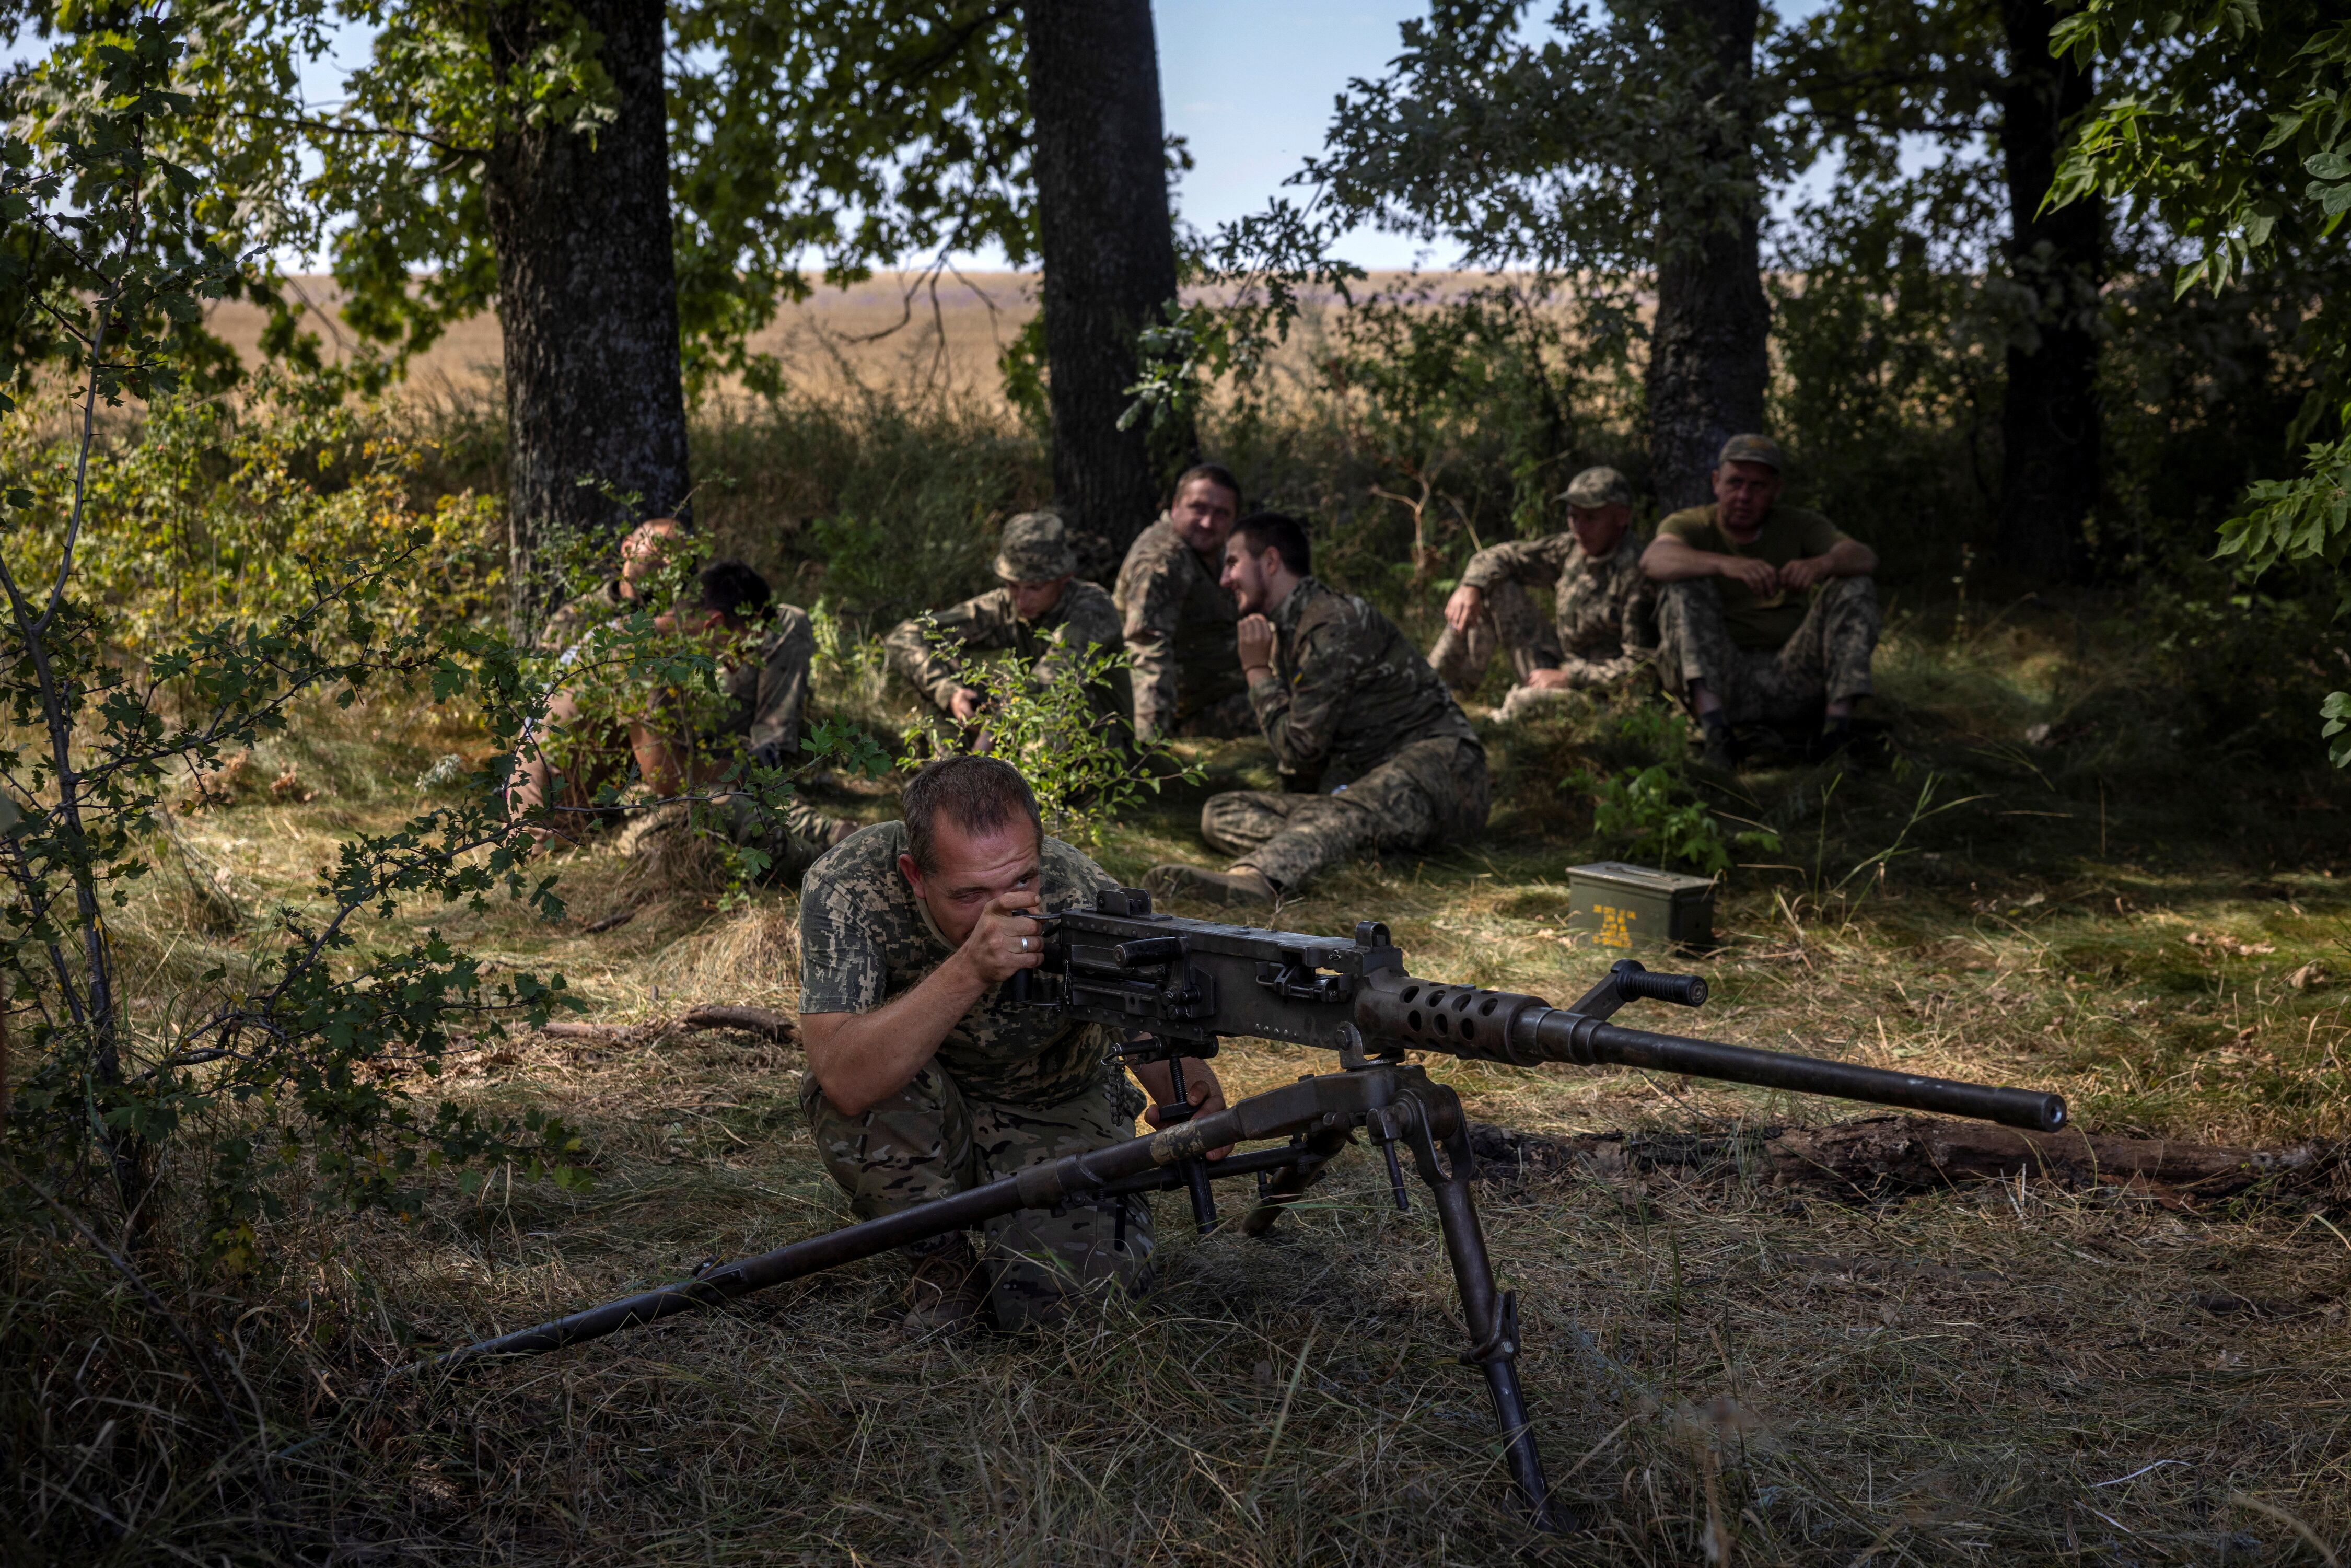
[1509, 622]
[1827, 659]
[932, 1140]
[1430, 791]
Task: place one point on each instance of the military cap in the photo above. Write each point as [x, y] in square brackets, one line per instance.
[1034, 548]
[1598, 488]
[1753, 449]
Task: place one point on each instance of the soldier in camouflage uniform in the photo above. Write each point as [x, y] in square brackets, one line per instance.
[1041, 616]
[1178, 618]
[1377, 754]
[767, 699]
[1605, 627]
[1766, 613]
[923, 1081]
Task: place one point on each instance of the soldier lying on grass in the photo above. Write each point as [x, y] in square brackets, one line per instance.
[1766, 614]
[923, 1081]
[1604, 628]
[1376, 753]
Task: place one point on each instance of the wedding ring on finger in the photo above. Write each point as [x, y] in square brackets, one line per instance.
[1024, 944]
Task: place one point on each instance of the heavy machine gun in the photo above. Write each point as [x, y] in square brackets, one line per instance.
[1172, 988]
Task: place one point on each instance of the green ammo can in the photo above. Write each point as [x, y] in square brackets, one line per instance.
[1629, 907]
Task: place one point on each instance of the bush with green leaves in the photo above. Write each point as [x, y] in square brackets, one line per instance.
[1650, 809]
[1085, 772]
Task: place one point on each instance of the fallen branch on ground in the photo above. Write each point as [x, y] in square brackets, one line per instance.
[1882, 1156]
[783, 1029]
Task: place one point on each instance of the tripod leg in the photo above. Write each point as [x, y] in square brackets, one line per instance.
[1494, 1333]
[1293, 1183]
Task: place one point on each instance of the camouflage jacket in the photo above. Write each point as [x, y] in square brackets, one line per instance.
[865, 938]
[768, 698]
[1606, 609]
[576, 617]
[1084, 618]
[1178, 624]
[1348, 690]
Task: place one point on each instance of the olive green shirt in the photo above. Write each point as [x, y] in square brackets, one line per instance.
[1178, 624]
[866, 938]
[1789, 533]
[1080, 620]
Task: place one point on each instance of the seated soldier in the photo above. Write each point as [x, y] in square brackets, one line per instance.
[1178, 618]
[1356, 719]
[1042, 615]
[923, 1081]
[1766, 613]
[1605, 620]
[589, 763]
[766, 701]
[766, 698]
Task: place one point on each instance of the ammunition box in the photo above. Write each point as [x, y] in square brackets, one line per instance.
[1633, 906]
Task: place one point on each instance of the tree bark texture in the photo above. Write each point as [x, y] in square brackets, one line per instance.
[1109, 252]
[1708, 356]
[587, 298]
[2049, 424]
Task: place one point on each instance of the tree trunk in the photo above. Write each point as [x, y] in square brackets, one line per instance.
[1109, 253]
[2049, 426]
[1707, 349]
[586, 300]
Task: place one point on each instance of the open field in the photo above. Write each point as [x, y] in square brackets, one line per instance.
[1998, 1375]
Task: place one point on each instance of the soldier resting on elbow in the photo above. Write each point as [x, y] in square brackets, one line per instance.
[1042, 615]
[1605, 629]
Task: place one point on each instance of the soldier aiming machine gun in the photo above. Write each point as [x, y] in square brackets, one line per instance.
[1174, 988]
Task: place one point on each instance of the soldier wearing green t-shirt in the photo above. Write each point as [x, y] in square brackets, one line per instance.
[925, 1080]
[1765, 612]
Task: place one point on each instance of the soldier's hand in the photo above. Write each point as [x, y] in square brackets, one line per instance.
[1461, 611]
[1547, 680]
[1208, 1097]
[1760, 577]
[1800, 574]
[1254, 637]
[965, 704]
[1007, 937]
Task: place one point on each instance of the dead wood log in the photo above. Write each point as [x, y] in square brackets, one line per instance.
[1883, 1156]
[783, 1029]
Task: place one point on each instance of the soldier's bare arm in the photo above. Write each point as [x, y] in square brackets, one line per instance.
[1668, 559]
[862, 1058]
[1846, 558]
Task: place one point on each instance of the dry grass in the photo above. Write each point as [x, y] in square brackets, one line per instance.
[2001, 1376]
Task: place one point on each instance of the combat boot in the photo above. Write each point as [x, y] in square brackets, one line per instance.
[1245, 884]
[946, 1292]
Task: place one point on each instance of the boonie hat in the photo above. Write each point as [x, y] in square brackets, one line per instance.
[1034, 548]
[1753, 449]
[1598, 488]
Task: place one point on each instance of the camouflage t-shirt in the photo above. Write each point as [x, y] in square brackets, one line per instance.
[865, 938]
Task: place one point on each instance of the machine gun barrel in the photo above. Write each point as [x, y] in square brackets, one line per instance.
[1563, 1037]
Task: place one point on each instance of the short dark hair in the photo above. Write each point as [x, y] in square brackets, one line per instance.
[976, 794]
[733, 589]
[1277, 531]
[1215, 474]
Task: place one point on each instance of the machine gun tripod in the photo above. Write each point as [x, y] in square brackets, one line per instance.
[1174, 988]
